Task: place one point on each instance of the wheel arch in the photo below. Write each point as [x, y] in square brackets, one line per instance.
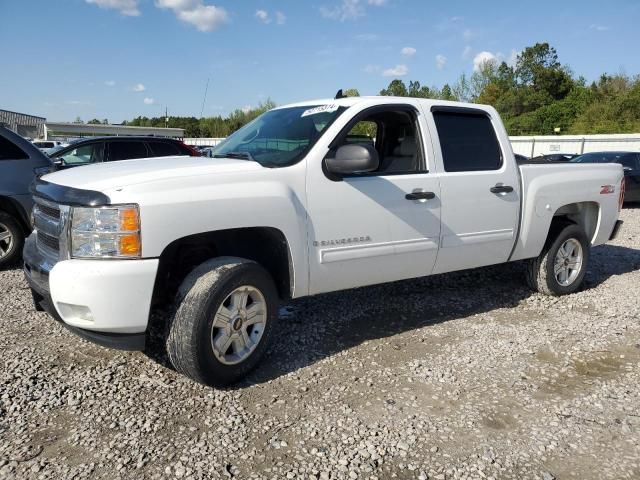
[13, 208]
[584, 214]
[267, 246]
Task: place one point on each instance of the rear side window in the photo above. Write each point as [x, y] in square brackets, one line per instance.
[468, 142]
[9, 151]
[164, 149]
[127, 150]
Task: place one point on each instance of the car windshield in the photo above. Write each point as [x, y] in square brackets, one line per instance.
[280, 137]
[597, 157]
[52, 152]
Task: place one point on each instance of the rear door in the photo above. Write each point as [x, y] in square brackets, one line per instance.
[480, 188]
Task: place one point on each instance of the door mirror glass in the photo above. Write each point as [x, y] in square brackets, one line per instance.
[350, 159]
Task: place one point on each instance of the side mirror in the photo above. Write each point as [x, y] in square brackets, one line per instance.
[627, 169]
[350, 159]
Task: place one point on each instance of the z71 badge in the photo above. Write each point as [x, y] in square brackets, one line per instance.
[341, 241]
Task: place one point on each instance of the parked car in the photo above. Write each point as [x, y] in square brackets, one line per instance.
[630, 162]
[555, 157]
[300, 202]
[20, 162]
[47, 146]
[109, 149]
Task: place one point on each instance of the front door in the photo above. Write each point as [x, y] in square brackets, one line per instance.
[380, 226]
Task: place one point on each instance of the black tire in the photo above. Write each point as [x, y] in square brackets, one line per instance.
[540, 270]
[189, 342]
[9, 224]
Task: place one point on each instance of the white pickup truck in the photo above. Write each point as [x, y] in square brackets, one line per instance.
[309, 198]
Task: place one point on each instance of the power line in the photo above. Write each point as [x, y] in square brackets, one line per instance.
[205, 97]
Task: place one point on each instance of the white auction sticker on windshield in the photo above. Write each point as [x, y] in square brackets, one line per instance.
[332, 107]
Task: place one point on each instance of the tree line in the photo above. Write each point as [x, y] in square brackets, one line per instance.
[540, 96]
[537, 95]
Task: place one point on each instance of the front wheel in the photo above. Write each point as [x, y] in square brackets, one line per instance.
[562, 265]
[225, 312]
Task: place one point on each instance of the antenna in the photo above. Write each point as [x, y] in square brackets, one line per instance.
[340, 95]
[205, 97]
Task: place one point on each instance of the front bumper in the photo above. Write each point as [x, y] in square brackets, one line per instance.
[105, 301]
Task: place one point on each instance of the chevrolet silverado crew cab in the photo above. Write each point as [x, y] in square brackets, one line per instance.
[308, 198]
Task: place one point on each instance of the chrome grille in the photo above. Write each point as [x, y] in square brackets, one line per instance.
[52, 212]
[46, 219]
[48, 241]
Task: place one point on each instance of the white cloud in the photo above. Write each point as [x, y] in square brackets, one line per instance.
[246, 108]
[349, 9]
[110, 83]
[397, 71]
[125, 7]
[466, 53]
[482, 58]
[441, 61]
[366, 37]
[79, 103]
[408, 51]
[371, 69]
[149, 101]
[263, 16]
[138, 87]
[205, 18]
[599, 28]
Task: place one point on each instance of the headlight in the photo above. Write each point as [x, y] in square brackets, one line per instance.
[106, 232]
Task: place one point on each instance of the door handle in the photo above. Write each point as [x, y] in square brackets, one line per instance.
[501, 189]
[420, 196]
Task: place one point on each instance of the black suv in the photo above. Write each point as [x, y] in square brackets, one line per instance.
[20, 162]
[110, 149]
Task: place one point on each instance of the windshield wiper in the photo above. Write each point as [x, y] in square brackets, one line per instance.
[239, 155]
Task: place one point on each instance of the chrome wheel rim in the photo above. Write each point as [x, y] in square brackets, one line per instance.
[6, 240]
[568, 262]
[238, 325]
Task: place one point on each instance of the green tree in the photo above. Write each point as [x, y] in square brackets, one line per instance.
[396, 88]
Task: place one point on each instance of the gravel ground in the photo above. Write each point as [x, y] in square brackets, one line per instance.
[465, 375]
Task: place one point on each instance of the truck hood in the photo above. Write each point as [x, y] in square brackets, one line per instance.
[104, 177]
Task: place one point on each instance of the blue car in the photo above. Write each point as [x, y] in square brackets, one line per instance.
[20, 162]
[630, 162]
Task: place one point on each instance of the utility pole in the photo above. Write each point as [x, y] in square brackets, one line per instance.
[166, 118]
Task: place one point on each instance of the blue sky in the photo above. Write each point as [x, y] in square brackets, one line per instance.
[117, 59]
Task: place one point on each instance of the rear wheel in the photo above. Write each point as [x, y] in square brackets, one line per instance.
[225, 312]
[561, 266]
[11, 239]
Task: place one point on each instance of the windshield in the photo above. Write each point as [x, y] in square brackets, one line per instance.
[598, 157]
[54, 150]
[281, 137]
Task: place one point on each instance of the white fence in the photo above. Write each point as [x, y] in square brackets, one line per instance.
[537, 145]
[542, 145]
